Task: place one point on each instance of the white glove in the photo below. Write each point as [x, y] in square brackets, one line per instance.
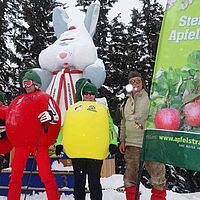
[2, 129]
[45, 116]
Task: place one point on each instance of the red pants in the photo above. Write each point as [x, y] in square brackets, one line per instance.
[44, 168]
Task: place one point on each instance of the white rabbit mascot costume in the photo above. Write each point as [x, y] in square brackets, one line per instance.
[72, 56]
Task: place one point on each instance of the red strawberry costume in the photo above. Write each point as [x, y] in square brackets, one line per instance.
[5, 145]
[23, 118]
[26, 133]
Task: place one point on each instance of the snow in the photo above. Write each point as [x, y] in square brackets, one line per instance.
[109, 193]
[109, 185]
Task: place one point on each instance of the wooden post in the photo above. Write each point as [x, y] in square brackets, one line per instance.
[108, 167]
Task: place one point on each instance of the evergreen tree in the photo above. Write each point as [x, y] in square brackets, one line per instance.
[102, 31]
[32, 30]
[150, 24]
[7, 73]
[116, 58]
[25, 31]
[182, 180]
[116, 65]
[134, 35]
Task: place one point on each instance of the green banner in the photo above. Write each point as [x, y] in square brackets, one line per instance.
[175, 92]
[176, 148]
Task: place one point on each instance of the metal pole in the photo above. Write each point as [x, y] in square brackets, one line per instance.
[139, 179]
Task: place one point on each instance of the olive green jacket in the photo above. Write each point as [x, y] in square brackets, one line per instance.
[134, 115]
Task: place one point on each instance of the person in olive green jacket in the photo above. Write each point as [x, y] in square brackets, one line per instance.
[134, 115]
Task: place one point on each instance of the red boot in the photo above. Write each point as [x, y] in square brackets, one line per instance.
[158, 194]
[131, 192]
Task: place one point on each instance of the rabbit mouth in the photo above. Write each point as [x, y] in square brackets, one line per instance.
[66, 66]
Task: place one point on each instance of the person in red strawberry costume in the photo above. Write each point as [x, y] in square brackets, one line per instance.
[32, 123]
[5, 145]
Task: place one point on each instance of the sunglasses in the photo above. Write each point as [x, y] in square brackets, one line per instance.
[88, 93]
[27, 83]
[137, 81]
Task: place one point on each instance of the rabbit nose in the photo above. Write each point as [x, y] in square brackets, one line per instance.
[62, 55]
[72, 27]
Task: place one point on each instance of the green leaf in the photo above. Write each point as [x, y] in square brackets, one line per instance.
[190, 97]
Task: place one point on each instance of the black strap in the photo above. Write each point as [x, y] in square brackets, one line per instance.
[2, 122]
[3, 135]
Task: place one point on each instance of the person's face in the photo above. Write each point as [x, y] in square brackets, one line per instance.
[136, 82]
[29, 86]
[88, 96]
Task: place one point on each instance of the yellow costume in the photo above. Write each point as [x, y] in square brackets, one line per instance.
[86, 130]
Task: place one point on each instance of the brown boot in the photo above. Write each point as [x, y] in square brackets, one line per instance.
[158, 194]
[131, 192]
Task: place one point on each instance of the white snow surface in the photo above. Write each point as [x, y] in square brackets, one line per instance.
[111, 183]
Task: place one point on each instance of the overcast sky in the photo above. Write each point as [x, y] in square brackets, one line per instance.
[122, 6]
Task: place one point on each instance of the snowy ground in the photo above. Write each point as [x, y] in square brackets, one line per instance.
[109, 194]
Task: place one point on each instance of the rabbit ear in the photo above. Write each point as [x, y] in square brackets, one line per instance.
[91, 17]
[60, 21]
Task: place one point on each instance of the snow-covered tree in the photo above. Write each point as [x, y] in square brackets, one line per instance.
[32, 30]
[150, 24]
[25, 31]
[7, 73]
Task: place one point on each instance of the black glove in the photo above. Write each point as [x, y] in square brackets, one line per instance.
[59, 149]
[113, 149]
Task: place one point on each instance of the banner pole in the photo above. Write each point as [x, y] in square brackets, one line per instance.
[141, 164]
[140, 170]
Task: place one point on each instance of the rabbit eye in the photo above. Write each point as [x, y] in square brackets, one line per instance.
[66, 39]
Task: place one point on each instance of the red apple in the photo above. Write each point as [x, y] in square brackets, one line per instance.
[192, 113]
[167, 118]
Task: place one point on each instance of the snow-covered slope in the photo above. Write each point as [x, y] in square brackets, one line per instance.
[110, 194]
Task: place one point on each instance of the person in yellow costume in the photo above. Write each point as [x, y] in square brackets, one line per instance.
[88, 137]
